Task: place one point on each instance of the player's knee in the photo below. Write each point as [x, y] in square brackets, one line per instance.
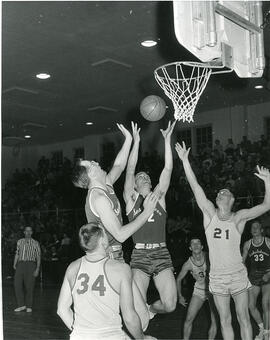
[251, 305]
[170, 305]
[226, 320]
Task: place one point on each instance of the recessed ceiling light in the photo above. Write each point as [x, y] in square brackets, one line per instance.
[258, 86]
[89, 123]
[148, 43]
[43, 75]
[27, 136]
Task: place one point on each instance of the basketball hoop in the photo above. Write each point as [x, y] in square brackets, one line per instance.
[183, 82]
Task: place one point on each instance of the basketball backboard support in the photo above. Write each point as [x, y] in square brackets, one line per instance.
[223, 32]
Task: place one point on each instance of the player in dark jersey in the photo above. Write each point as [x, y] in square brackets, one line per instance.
[223, 229]
[257, 251]
[103, 208]
[198, 266]
[150, 257]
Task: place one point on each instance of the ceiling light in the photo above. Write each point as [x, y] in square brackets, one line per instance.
[258, 87]
[43, 76]
[148, 43]
[27, 136]
[89, 123]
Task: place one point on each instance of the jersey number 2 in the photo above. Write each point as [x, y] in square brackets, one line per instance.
[98, 285]
[218, 231]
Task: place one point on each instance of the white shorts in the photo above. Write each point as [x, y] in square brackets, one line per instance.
[229, 284]
[201, 293]
[113, 335]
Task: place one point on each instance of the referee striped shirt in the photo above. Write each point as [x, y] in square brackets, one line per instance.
[28, 249]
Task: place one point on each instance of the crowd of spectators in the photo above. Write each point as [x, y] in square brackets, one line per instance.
[45, 199]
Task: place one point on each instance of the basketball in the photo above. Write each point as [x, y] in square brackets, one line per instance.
[153, 108]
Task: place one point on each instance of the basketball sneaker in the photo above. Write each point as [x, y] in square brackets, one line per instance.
[28, 310]
[260, 336]
[20, 309]
[151, 314]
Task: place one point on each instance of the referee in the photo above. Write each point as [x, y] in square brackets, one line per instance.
[26, 265]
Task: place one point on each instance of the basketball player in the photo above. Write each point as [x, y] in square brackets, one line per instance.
[102, 207]
[97, 286]
[257, 250]
[223, 229]
[198, 266]
[150, 257]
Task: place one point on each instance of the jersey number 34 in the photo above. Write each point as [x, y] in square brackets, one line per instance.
[98, 285]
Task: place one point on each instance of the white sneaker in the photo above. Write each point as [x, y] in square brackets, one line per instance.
[260, 336]
[20, 309]
[28, 310]
[151, 314]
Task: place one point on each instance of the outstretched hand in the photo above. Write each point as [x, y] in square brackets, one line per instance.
[150, 202]
[168, 132]
[263, 173]
[135, 132]
[182, 151]
[124, 131]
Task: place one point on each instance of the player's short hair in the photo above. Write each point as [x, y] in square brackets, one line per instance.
[141, 173]
[80, 177]
[195, 237]
[257, 220]
[27, 226]
[89, 235]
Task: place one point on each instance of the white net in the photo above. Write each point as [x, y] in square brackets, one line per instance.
[183, 83]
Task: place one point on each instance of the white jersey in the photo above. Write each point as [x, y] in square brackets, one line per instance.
[199, 274]
[96, 303]
[223, 240]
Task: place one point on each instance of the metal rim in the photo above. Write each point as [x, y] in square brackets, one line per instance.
[194, 64]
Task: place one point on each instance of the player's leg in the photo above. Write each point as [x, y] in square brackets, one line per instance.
[166, 286]
[140, 265]
[18, 285]
[194, 306]
[223, 306]
[241, 308]
[266, 310]
[213, 313]
[29, 284]
[253, 293]
[142, 281]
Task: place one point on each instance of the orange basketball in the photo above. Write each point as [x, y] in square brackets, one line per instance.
[153, 108]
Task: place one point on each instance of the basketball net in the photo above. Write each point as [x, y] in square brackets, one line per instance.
[183, 82]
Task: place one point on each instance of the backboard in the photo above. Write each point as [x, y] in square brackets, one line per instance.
[223, 32]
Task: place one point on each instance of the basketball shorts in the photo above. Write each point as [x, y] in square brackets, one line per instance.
[108, 335]
[256, 277]
[201, 293]
[229, 284]
[151, 261]
[116, 254]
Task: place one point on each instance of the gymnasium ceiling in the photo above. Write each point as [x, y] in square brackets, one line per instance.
[99, 71]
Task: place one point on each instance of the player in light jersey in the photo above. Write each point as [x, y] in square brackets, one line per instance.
[223, 229]
[257, 251]
[102, 207]
[150, 257]
[98, 287]
[198, 266]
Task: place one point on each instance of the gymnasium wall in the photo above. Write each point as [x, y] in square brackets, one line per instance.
[231, 122]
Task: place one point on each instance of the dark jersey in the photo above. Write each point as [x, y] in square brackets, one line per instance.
[259, 256]
[92, 216]
[153, 231]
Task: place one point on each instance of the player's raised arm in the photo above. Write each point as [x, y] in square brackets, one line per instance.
[179, 279]
[165, 177]
[206, 206]
[244, 215]
[103, 209]
[131, 166]
[122, 157]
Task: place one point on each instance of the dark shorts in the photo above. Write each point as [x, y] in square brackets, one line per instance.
[151, 261]
[256, 277]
